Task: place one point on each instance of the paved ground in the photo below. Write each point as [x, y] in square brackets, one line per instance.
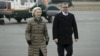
[13, 43]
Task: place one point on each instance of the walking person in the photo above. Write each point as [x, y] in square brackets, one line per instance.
[36, 34]
[64, 26]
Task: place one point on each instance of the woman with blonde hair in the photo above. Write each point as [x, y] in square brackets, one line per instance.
[36, 34]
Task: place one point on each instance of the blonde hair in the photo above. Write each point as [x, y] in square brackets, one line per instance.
[34, 10]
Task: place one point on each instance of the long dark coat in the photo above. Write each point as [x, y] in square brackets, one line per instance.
[38, 35]
[63, 27]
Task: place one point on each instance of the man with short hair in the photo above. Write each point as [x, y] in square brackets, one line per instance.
[63, 26]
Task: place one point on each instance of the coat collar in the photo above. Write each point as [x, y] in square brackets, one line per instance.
[65, 14]
[42, 20]
[61, 13]
[38, 21]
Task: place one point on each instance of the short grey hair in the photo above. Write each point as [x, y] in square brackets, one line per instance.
[34, 10]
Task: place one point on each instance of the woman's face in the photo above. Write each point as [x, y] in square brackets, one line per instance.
[38, 13]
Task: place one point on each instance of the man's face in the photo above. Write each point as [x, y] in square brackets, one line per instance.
[65, 7]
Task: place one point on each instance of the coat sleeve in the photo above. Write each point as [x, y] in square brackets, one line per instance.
[75, 28]
[46, 33]
[55, 28]
[28, 31]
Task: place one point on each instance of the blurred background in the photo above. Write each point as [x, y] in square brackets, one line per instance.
[87, 14]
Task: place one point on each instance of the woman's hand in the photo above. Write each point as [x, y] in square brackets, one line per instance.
[29, 42]
[46, 42]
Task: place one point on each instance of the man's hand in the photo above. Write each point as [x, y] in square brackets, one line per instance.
[56, 40]
[76, 40]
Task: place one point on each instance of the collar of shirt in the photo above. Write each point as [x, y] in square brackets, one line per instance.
[64, 13]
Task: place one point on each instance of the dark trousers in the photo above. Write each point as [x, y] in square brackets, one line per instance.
[68, 48]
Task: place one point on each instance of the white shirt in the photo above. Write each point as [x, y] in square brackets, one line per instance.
[64, 13]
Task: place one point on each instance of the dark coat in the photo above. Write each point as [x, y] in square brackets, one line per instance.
[63, 27]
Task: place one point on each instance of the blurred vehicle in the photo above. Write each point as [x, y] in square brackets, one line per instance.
[21, 9]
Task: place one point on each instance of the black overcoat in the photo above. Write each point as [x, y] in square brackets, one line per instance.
[63, 27]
